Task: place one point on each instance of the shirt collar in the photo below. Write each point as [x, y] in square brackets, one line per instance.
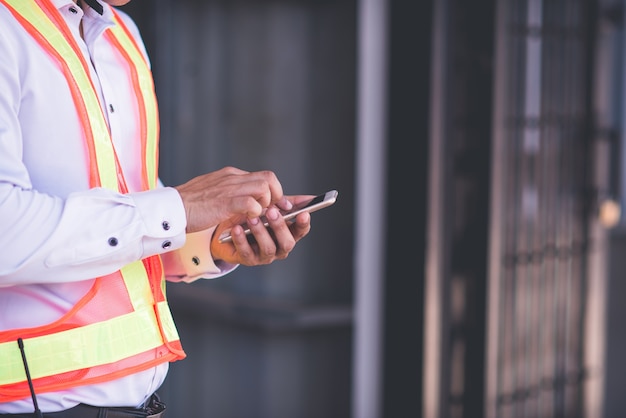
[94, 4]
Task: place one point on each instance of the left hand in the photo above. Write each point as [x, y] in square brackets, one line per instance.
[264, 245]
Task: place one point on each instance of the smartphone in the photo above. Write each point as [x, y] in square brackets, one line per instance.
[316, 203]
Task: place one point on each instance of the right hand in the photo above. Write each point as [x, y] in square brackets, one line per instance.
[265, 245]
[229, 193]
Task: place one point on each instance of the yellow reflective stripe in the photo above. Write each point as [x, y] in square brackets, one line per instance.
[137, 285]
[87, 346]
[167, 321]
[146, 84]
[102, 141]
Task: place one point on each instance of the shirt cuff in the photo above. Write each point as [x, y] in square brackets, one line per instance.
[164, 217]
[194, 260]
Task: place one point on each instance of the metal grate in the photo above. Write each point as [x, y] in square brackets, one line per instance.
[542, 278]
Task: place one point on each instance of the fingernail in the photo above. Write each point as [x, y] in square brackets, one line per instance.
[253, 221]
[272, 213]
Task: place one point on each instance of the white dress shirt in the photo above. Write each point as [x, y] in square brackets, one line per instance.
[54, 230]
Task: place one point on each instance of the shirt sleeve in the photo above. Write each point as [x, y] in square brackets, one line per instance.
[96, 232]
[89, 234]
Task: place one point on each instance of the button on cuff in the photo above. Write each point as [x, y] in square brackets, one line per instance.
[162, 212]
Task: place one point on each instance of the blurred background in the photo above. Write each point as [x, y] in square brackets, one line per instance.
[473, 263]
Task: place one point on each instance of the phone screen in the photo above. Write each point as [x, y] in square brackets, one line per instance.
[289, 214]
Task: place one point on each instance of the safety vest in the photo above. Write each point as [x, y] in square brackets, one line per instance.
[123, 324]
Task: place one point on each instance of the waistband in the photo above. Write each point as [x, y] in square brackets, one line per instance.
[154, 409]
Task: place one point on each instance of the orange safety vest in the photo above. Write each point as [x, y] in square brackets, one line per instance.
[123, 324]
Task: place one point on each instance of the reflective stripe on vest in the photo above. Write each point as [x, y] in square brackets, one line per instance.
[144, 91]
[137, 331]
[74, 349]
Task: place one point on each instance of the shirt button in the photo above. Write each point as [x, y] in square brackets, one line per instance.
[166, 225]
[195, 260]
[73, 10]
[111, 108]
[113, 241]
[166, 245]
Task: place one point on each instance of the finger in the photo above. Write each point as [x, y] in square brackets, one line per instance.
[301, 226]
[274, 187]
[247, 205]
[230, 170]
[261, 187]
[245, 252]
[264, 241]
[281, 232]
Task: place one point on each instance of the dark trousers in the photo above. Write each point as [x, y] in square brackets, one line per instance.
[154, 409]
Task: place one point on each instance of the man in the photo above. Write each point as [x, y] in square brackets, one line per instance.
[88, 232]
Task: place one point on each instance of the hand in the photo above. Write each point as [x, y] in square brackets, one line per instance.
[229, 193]
[264, 245]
